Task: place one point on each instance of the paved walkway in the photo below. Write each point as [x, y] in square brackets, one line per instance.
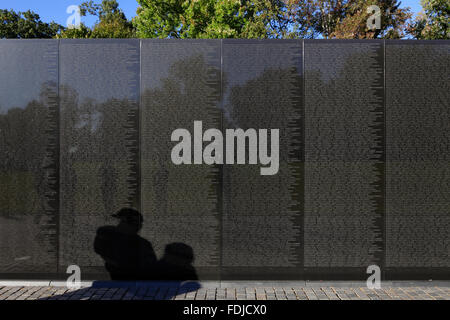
[165, 292]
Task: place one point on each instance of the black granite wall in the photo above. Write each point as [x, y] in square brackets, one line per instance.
[364, 155]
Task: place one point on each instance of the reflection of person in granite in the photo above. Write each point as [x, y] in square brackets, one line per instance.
[127, 255]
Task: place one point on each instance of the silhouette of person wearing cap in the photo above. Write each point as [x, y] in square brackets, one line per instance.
[127, 255]
[176, 264]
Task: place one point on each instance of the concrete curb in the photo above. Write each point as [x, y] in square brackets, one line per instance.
[224, 284]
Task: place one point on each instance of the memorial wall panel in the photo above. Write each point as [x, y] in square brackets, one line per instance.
[418, 155]
[263, 212]
[29, 157]
[99, 100]
[344, 154]
[258, 159]
[181, 203]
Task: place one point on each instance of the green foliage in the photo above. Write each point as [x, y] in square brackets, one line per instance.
[82, 32]
[343, 19]
[25, 25]
[113, 28]
[434, 23]
[314, 18]
[211, 19]
[346, 19]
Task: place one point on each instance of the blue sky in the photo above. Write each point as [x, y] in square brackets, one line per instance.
[56, 9]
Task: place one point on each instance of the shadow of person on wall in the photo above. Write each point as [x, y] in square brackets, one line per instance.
[133, 266]
[176, 264]
[127, 255]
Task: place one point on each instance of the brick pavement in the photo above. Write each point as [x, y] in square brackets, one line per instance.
[164, 292]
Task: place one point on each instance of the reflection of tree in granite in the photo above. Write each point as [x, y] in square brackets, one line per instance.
[98, 152]
[332, 91]
[24, 140]
[95, 151]
[417, 154]
[183, 97]
[68, 99]
[343, 154]
[180, 201]
[266, 102]
[27, 168]
[260, 211]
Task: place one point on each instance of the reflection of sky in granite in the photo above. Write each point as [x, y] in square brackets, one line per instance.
[23, 73]
[92, 73]
[84, 68]
[99, 71]
[99, 81]
[331, 66]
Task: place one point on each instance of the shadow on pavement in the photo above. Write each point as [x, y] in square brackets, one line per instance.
[125, 290]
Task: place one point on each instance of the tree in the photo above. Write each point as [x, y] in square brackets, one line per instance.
[25, 25]
[211, 19]
[393, 20]
[112, 22]
[346, 19]
[314, 18]
[76, 33]
[434, 23]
